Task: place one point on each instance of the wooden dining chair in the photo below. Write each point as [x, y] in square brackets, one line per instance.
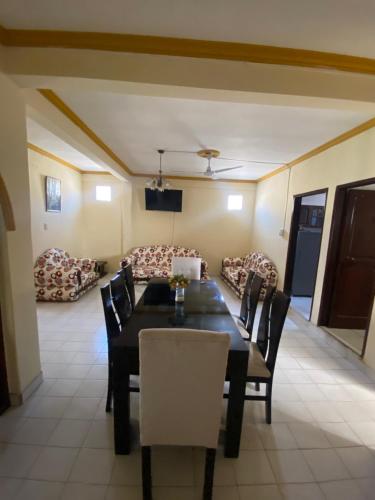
[113, 330]
[127, 273]
[245, 299]
[261, 368]
[121, 299]
[251, 300]
[180, 406]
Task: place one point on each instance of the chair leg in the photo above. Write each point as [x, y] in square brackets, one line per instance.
[146, 473]
[109, 390]
[269, 403]
[209, 473]
[257, 386]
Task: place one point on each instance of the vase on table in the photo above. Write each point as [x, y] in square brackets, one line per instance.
[180, 294]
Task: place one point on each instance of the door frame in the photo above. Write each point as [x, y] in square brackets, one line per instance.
[333, 251]
[292, 244]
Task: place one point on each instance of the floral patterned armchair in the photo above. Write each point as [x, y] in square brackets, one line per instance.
[235, 270]
[61, 278]
[156, 261]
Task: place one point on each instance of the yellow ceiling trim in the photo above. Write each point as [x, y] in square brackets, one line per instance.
[51, 156]
[73, 117]
[320, 149]
[183, 47]
[95, 172]
[191, 178]
[6, 207]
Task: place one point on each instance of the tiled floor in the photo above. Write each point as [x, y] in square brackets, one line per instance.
[321, 445]
[352, 338]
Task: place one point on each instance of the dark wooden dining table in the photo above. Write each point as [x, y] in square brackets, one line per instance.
[204, 308]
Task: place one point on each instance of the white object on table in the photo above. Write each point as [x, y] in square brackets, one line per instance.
[190, 267]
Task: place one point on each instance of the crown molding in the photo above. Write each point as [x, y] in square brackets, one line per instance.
[320, 149]
[73, 117]
[191, 178]
[184, 47]
[6, 207]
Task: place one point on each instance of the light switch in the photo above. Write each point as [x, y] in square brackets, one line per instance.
[45, 227]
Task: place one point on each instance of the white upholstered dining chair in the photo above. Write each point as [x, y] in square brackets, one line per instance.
[190, 267]
[182, 375]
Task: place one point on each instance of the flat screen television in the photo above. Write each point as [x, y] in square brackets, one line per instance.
[169, 200]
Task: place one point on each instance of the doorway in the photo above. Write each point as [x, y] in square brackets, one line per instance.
[304, 249]
[349, 284]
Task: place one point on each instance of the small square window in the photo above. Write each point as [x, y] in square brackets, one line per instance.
[235, 202]
[103, 193]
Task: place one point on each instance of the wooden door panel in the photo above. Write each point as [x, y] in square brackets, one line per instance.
[355, 274]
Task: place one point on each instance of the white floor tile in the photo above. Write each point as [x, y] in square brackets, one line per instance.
[307, 491]
[16, 460]
[70, 433]
[343, 490]
[359, 461]
[78, 491]
[54, 464]
[93, 466]
[326, 465]
[265, 492]
[289, 466]
[253, 467]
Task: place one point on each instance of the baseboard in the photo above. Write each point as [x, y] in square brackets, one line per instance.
[19, 399]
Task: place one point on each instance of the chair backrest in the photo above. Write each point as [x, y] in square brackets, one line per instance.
[253, 299]
[120, 298]
[182, 374]
[190, 267]
[111, 322]
[127, 274]
[279, 309]
[244, 311]
[264, 321]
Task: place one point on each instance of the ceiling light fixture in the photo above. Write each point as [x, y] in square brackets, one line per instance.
[159, 182]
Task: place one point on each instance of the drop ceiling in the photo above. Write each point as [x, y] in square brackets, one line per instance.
[259, 137]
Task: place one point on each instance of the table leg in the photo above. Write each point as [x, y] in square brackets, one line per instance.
[235, 407]
[121, 405]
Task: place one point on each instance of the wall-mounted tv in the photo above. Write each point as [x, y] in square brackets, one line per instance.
[169, 200]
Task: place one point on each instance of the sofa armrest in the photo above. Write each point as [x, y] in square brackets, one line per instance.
[129, 259]
[204, 270]
[233, 262]
[57, 276]
[85, 264]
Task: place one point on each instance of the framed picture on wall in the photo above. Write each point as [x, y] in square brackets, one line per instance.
[53, 194]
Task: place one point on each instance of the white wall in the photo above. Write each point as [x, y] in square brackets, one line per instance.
[63, 229]
[16, 260]
[204, 223]
[107, 233]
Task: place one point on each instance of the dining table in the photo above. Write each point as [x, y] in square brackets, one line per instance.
[204, 308]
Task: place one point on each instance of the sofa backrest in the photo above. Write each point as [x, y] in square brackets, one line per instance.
[160, 255]
[262, 265]
[52, 256]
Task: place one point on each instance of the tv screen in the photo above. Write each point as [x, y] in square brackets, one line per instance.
[169, 200]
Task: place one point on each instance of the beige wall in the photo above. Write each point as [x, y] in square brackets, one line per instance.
[369, 357]
[61, 229]
[17, 288]
[107, 225]
[350, 161]
[204, 223]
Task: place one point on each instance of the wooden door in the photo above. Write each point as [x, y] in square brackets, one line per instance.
[4, 392]
[355, 275]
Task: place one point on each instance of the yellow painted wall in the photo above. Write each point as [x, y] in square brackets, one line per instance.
[55, 229]
[107, 225]
[204, 223]
[17, 294]
[347, 162]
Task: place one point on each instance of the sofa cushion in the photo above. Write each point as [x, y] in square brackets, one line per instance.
[232, 274]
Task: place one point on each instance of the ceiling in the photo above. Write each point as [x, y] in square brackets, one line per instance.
[135, 127]
[45, 140]
[342, 26]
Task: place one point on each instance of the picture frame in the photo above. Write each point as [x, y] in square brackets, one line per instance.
[53, 194]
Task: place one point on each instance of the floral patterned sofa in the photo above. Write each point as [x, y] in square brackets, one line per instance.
[61, 278]
[156, 261]
[235, 270]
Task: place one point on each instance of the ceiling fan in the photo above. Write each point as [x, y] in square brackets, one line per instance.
[209, 154]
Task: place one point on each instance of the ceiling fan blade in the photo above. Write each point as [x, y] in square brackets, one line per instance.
[253, 161]
[227, 169]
